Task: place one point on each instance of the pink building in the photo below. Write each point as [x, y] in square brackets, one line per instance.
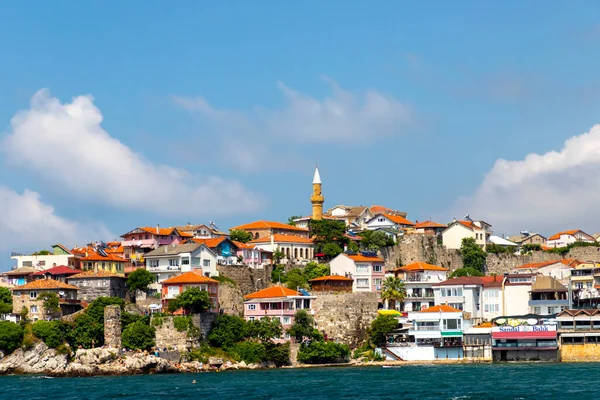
[276, 302]
[142, 240]
[366, 269]
[253, 256]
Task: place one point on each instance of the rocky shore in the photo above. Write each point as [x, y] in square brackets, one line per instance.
[103, 361]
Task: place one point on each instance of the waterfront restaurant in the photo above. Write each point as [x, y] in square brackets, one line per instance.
[524, 338]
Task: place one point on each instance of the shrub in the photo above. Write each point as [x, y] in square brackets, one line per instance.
[531, 247]
[224, 279]
[63, 349]
[51, 332]
[192, 300]
[139, 336]
[140, 279]
[157, 320]
[380, 327]
[250, 352]
[11, 336]
[279, 354]
[5, 301]
[323, 353]
[227, 330]
[182, 323]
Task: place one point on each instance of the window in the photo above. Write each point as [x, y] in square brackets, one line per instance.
[537, 310]
[491, 294]
[173, 262]
[154, 263]
[27, 264]
[173, 291]
[206, 263]
[42, 263]
[491, 308]
[362, 268]
[185, 261]
[286, 320]
[362, 283]
[250, 318]
[458, 306]
[377, 281]
[251, 306]
[380, 219]
[33, 309]
[452, 324]
[103, 265]
[452, 292]
[377, 268]
[33, 295]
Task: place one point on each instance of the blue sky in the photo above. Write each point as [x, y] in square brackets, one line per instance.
[413, 106]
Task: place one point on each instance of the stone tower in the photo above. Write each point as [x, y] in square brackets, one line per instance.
[317, 198]
[112, 326]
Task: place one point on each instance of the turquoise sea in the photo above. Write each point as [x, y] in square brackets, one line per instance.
[508, 381]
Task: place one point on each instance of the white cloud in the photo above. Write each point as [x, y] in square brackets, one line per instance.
[549, 192]
[343, 117]
[67, 144]
[28, 224]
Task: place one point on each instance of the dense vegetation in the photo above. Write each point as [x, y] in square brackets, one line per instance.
[468, 271]
[313, 349]
[140, 279]
[237, 235]
[299, 277]
[472, 254]
[5, 301]
[192, 300]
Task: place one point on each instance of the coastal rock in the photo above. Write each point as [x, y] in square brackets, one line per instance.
[214, 361]
[37, 360]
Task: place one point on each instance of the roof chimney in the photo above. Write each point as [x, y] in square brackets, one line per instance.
[157, 229]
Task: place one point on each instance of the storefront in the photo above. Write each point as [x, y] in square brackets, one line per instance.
[524, 338]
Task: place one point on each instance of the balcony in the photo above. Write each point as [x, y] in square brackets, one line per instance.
[145, 243]
[164, 268]
[419, 296]
[425, 328]
[550, 303]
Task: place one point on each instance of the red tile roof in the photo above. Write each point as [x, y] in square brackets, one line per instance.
[461, 280]
[398, 219]
[93, 275]
[189, 277]
[211, 243]
[420, 266]
[429, 224]
[268, 225]
[272, 292]
[331, 278]
[243, 245]
[361, 258]
[469, 224]
[441, 308]
[160, 231]
[60, 270]
[279, 238]
[45, 284]
[556, 236]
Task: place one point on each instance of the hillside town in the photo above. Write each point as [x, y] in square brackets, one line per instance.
[343, 268]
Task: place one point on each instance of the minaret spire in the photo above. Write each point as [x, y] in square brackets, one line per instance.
[317, 198]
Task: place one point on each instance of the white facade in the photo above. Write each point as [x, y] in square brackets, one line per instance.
[419, 292]
[557, 270]
[169, 265]
[44, 262]
[380, 221]
[296, 252]
[492, 303]
[466, 298]
[368, 276]
[516, 298]
[564, 239]
[453, 235]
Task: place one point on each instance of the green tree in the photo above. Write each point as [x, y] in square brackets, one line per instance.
[332, 249]
[352, 246]
[250, 352]
[327, 231]
[278, 274]
[468, 271]
[139, 336]
[227, 330]
[472, 254]
[292, 218]
[192, 300]
[314, 270]
[238, 235]
[140, 279]
[278, 255]
[374, 240]
[51, 303]
[279, 353]
[304, 326]
[380, 326]
[51, 332]
[295, 279]
[11, 336]
[265, 329]
[6, 305]
[89, 326]
[393, 291]
[323, 353]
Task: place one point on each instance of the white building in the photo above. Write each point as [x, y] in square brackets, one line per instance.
[418, 278]
[60, 256]
[367, 271]
[453, 235]
[171, 260]
[355, 217]
[565, 238]
[296, 249]
[558, 269]
[499, 241]
[389, 222]
[437, 333]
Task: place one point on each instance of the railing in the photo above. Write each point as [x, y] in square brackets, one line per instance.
[420, 296]
[138, 243]
[164, 268]
[548, 303]
[425, 328]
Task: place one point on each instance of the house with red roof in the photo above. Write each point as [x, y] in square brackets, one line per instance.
[565, 238]
[262, 229]
[277, 302]
[331, 283]
[429, 228]
[223, 247]
[139, 241]
[390, 224]
[253, 256]
[173, 287]
[365, 268]
[456, 231]
[558, 269]
[60, 273]
[418, 278]
[296, 249]
[96, 258]
[28, 297]
[436, 334]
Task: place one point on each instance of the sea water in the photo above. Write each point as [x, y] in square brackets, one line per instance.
[464, 381]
